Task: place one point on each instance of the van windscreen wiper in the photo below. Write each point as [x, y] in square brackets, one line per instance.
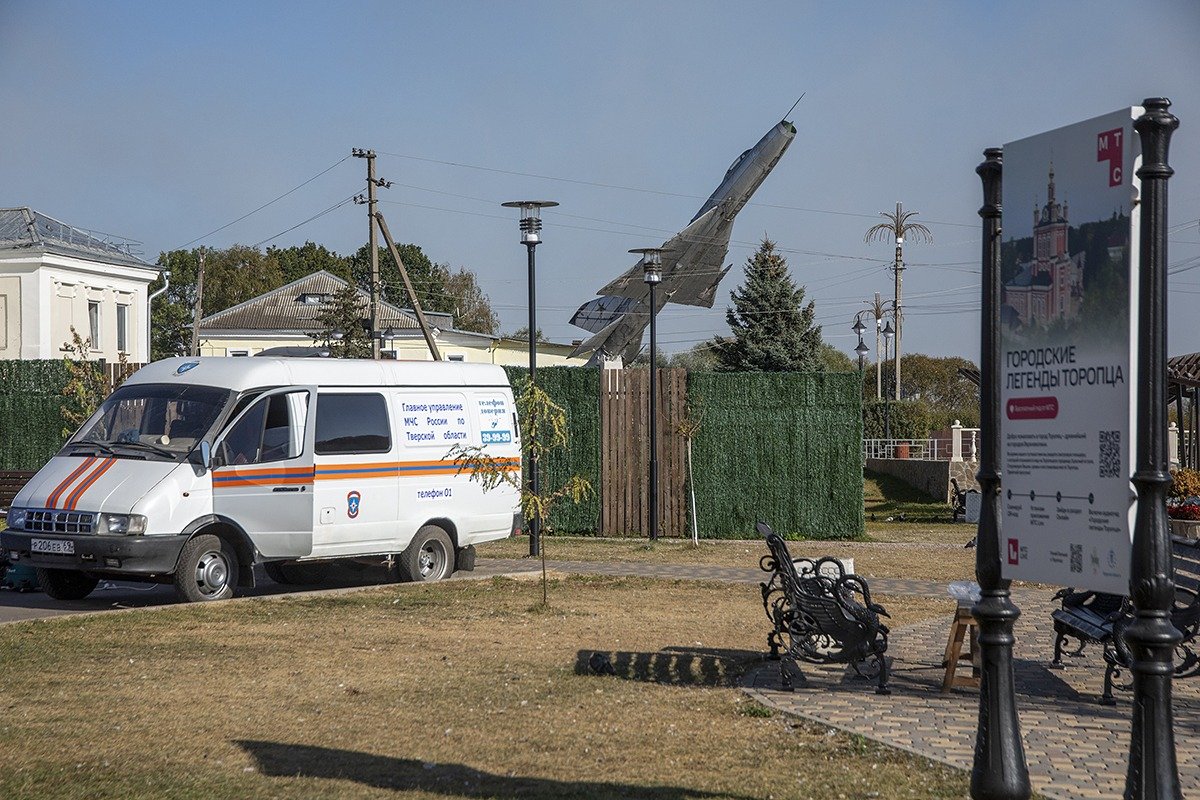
[172, 454]
[100, 447]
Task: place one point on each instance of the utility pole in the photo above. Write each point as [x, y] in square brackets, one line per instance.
[198, 307]
[878, 309]
[897, 227]
[898, 268]
[372, 243]
[408, 287]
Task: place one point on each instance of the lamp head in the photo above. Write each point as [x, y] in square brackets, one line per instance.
[888, 331]
[862, 348]
[859, 328]
[531, 217]
[651, 263]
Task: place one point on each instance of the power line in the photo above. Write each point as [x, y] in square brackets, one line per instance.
[642, 190]
[264, 205]
[318, 215]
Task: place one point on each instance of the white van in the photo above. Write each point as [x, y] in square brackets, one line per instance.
[195, 470]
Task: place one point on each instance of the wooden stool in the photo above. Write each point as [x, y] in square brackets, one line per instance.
[963, 627]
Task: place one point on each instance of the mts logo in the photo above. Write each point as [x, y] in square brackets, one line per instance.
[1110, 147]
[1014, 556]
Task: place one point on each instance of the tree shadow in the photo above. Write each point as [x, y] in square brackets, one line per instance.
[673, 666]
[276, 759]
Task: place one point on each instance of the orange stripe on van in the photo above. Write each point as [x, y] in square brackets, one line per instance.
[336, 472]
[77, 495]
[62, 487]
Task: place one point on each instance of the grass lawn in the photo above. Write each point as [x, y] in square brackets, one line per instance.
[924, 547]
[455, 690]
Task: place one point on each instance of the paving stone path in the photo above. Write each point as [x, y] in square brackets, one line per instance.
[699, 572]
[1076, 748]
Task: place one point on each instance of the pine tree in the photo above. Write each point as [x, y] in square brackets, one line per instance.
[772, 330]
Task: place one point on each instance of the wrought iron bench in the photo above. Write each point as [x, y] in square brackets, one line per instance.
[1099, 618]
[820, 614]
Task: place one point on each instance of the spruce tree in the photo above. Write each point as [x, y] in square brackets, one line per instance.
[773, 330]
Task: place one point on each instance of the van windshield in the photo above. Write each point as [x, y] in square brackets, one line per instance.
[152, 420]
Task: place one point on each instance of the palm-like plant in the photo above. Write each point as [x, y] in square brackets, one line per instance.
[898, 228]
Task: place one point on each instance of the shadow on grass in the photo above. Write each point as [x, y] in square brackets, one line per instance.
[673, 666]
[884, 496]
[280, 760]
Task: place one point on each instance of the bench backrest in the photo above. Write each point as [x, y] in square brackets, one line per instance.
[827, 603]
[1185, 555]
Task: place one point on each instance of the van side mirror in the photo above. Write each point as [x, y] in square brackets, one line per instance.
[202, 456]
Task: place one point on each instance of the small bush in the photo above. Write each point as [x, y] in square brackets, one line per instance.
[1185, 483]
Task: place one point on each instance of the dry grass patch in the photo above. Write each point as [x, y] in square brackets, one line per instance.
[463, 689]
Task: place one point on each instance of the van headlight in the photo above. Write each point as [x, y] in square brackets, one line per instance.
[16, 518]
[121, 524]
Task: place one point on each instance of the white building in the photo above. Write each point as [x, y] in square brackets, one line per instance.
[54, 277]
[287, 318]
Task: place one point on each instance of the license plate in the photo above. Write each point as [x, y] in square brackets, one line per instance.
[60, 546]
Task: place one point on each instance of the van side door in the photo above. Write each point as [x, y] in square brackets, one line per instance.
[262, 471]
[357, 473]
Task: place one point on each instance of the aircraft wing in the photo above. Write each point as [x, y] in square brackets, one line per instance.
[701, 235]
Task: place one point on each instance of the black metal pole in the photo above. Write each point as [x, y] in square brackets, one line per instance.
[1153, 774]
[535, 524]
[999, 772]
[653, 423]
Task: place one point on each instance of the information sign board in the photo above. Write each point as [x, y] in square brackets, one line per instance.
[1068, 322]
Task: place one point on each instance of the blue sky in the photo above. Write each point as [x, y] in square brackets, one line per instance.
[164, 121]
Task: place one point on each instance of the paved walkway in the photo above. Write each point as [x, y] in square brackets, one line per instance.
[1075, 747]
[700, 572]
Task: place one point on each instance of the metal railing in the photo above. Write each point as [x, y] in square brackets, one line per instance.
[961, 445]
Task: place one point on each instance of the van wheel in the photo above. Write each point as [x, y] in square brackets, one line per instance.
[207, 570]
[66, 584]
[429, 557]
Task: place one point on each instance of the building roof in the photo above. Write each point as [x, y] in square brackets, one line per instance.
[296, 306]
[24, 228]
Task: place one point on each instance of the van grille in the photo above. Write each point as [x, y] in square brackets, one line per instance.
[48, 521]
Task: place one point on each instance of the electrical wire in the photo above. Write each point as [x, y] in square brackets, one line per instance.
[641, 190]
[264, 205]
[318, 215]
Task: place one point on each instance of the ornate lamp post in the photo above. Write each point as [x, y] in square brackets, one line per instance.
[652, 275]
[861, 348]
[531, 226]
[999, 772]
[1153, 773]
[888, 333]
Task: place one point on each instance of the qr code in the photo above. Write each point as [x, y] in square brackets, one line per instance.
[1076, 558]
[1110, 454]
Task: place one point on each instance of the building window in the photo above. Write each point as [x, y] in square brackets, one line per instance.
[94, 323]
[123, 329]
[352, 423]
[238, 353]
[456, 357]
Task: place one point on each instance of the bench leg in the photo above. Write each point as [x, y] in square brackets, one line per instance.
[1058, 649]
[883, 675]
[1107, 698]
[773, 644]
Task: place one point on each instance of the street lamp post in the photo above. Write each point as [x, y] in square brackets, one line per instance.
[652, 275]
[888, 333]
[861, 348]
[531, 225]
